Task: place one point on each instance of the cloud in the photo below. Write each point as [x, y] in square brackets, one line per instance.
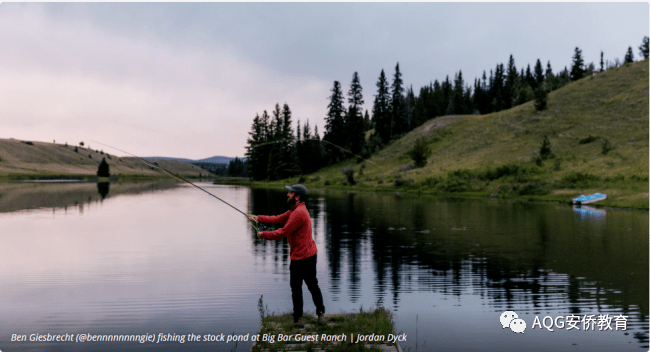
[72, 80]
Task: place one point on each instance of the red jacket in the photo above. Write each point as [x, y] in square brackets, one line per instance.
[297, 227]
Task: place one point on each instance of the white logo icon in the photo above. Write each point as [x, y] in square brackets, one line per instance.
[518, 325]
[507, 317]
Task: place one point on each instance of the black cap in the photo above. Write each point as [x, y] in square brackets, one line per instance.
[297, 189]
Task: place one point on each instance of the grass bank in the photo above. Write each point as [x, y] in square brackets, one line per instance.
[598, 133]
[43, 160]
[335, 334]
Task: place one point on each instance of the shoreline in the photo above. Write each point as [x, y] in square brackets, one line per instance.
[562, 196]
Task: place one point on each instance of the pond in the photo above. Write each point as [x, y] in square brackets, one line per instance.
[165, 260]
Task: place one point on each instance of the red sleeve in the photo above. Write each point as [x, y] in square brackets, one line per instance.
[293, 223]
[278, 219]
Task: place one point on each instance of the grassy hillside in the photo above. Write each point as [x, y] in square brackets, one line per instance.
[40, 159]
[499, 152]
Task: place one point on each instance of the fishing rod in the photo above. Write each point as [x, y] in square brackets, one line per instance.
[257, 225]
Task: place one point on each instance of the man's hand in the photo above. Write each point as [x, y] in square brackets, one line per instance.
[252, 218]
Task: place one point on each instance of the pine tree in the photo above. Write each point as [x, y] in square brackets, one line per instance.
[447, 91]
[458, 103]
[300, 145]
[496, 90]
[425, 106]
[550, 81]
[255, 150]
[578, 68]
[380, 113]
[549, 70]
[483, 101]
[478, 95]
[398, 105]
[311, 157]
[103, 169]
[409, 101]
[367, 125]
[629, 56]
[335, 125]
[511, 81]
[237, 168]
[540, 98]
[530, 79]
[439, 102]
[545, 149]
[539, 74]
[602, 64]
[643, 49]
[283, 161]
[355, 119]
[467, 100]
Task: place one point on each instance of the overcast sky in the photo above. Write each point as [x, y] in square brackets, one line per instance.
[186, 80]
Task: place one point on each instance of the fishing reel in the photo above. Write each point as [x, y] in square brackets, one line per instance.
[259, 227]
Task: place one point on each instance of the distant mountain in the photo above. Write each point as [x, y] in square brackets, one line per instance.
[216, 160]
[167, 158]
[211, 160]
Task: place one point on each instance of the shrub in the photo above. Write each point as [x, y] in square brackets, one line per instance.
[348, 172]
[501, 171]
[557, 165]
[432, 181]
[420, 152]
[639, 178]
[578, 179]
[399, 181]
[28, 143]
[607, 146]
[458, 180]
[588, 140]
[545, 149]
[534, 188]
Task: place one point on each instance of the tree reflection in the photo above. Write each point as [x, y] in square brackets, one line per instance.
[536, 258]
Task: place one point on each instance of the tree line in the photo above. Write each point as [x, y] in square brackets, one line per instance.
[274, 151]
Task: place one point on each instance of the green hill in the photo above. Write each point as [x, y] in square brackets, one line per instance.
[20, 159]
[597, 128]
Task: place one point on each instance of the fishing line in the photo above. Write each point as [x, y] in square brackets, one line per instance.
[320, 140]
[183, 179]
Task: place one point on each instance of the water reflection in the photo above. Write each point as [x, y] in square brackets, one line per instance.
[146, 260]
[532, 258]
[586, 212]
[15, 196]
[103, 188]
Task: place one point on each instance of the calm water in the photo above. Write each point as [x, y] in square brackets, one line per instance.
[166, 258]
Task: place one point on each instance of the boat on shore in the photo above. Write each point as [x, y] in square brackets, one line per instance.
[592, 198]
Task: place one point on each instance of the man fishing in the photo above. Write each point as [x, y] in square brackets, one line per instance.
[297, 228]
